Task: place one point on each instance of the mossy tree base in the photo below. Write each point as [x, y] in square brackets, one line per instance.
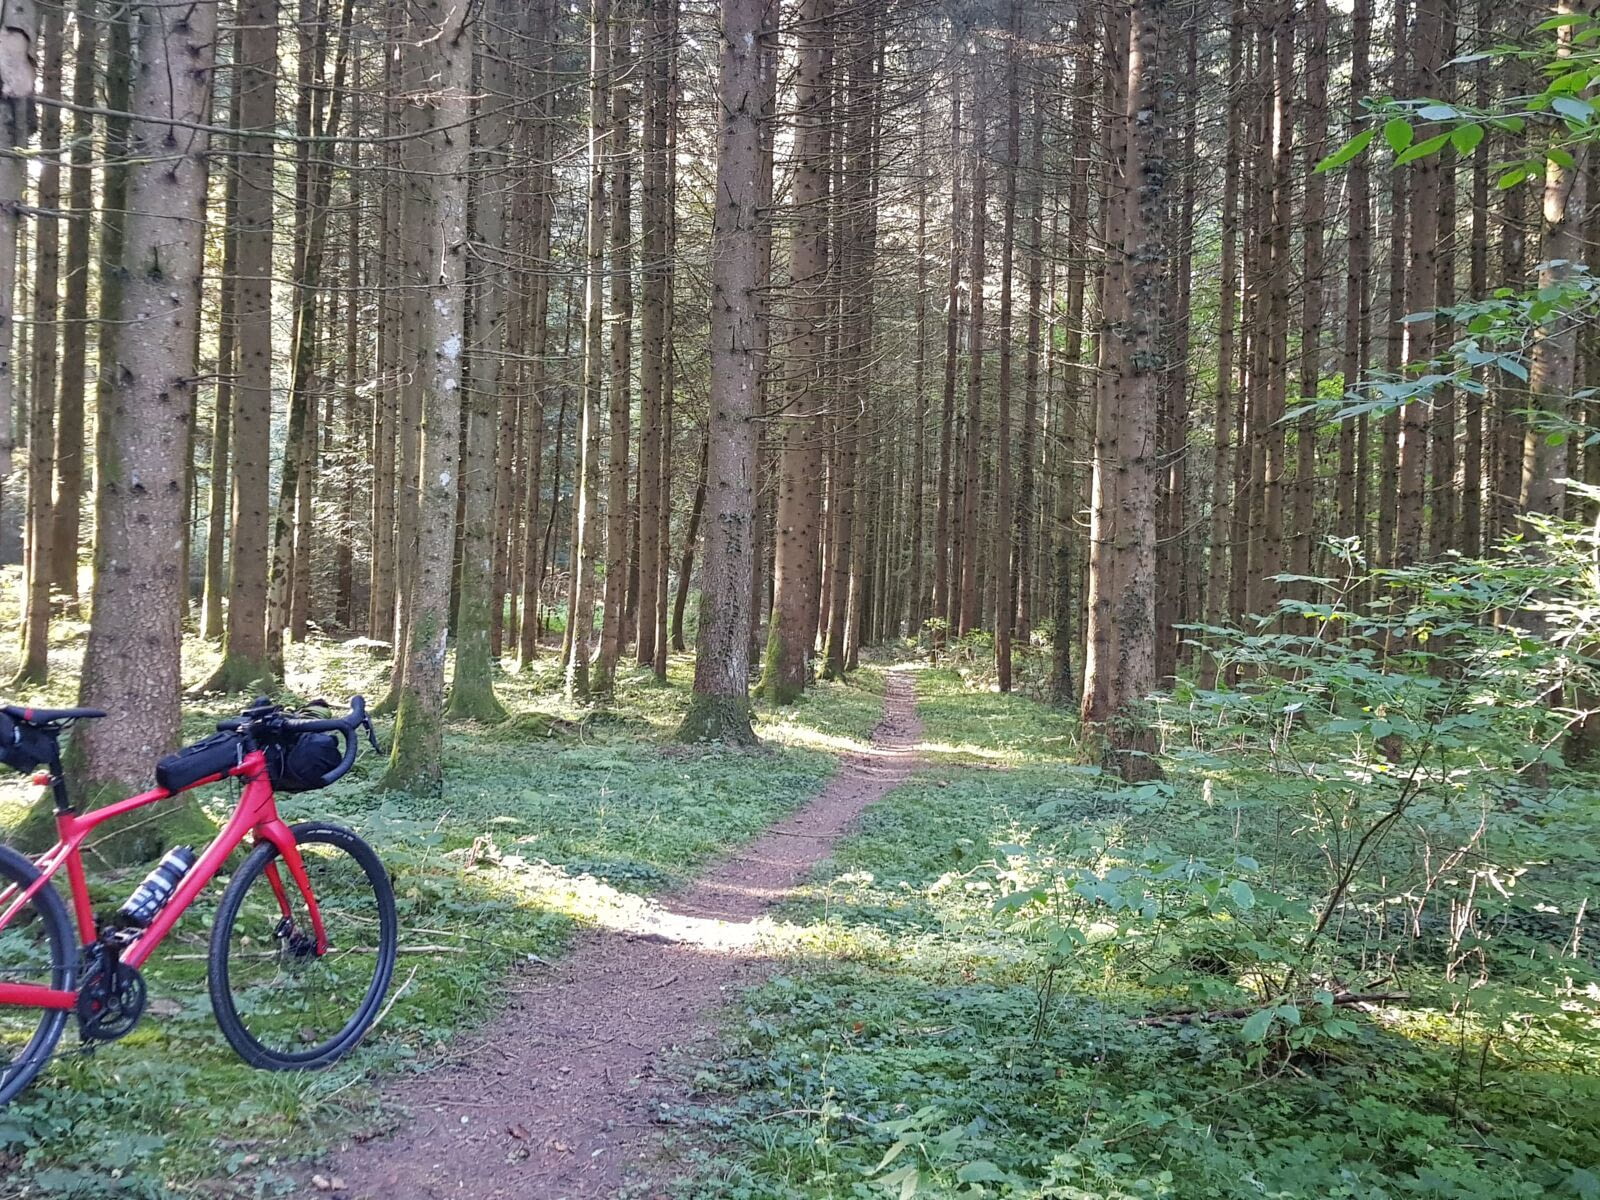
[777, 685]
[237, 673]
[141, 837]
[475, 703]
[724, 719]
[777, 691]
[416, 751]
[32, 675]
[1123, 747]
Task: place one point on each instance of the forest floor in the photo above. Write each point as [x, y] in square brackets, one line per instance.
[555, 821]
[971, 995]
[559, 1095]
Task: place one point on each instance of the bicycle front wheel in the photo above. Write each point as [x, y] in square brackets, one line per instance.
[282, 1005]
[36, 949]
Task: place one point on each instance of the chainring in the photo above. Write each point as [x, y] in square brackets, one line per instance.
[111, 999]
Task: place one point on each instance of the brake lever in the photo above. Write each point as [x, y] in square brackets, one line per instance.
[372, 735]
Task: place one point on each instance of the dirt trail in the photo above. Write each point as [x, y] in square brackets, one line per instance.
[559, 1095]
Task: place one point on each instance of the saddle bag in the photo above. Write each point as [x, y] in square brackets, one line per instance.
[22, 747]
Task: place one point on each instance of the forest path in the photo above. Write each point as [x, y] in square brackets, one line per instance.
[558, 1095]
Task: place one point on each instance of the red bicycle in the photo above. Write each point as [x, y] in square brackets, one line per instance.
[297, 968]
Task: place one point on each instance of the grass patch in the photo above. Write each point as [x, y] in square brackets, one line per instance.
[924, 1042]
[549, 819]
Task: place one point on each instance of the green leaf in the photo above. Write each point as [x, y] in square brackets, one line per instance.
[1573, 109]
[1560, 22]
[1584, 1183]
[1422, 149]
[890, 1155]
[1437, 112]
[1465, 138]
[1347, 151]
[1241, 894]
[1398, 133]
[1561, 158]
[981, 1171]
[1570, 82]
[1256, 1027]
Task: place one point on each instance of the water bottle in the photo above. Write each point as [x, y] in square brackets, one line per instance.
[141, 907]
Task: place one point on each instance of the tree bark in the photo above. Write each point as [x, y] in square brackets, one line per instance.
[68, 499]
[1119, 669]
[720, 707]
[19, 24]
[440, 226]
[132, 664]
[38, 519]
[246, 663]
[791, 635]
[472, 687]
[586, 536]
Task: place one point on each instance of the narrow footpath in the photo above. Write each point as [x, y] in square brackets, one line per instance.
[559, 1095]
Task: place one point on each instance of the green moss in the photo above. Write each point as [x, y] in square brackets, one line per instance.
[773, 686]
[238, 674]
[415, 758]
[724, 719]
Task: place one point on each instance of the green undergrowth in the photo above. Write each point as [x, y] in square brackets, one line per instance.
[966, 1010]
[555, 818]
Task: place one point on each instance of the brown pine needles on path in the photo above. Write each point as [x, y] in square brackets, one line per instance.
[560, 1096]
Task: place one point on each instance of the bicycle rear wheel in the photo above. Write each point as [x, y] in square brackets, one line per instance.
[281, 1005]
[36, 947]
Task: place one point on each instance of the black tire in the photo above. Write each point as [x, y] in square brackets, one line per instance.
[36, 947]
[268, 984]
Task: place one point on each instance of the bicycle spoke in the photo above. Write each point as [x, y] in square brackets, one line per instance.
[34, 943]
[288, 998]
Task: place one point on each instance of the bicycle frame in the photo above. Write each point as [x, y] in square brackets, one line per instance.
[256, 816]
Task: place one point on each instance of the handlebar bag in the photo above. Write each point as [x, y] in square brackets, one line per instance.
[299, 763]
[22, 747]
[215, 755]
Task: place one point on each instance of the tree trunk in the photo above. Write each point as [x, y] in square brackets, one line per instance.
[720, 707]
[1553, 371]
[132, 664]
[66, 506]
[1005, 608]
[943, 557]
[1350, 501]
[1062, 685]
[472, 687]
[212, 621]
[439, 214]
[691, 536]
[246, 664]
[1119, 670]
[19, 23]
[1422, 273]
[791, 635]
[1218, 609]
[621, 396]
[586, 539]
[654, 277]
[37, 561]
